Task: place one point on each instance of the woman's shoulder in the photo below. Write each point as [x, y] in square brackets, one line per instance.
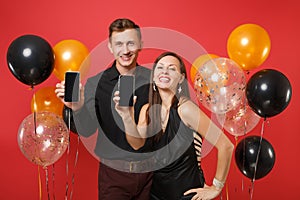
[186, 106]
[185, 101]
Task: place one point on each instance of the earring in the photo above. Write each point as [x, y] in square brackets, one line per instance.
[154, 86]
[179, 89]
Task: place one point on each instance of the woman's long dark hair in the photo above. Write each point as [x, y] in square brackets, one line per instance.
[154, 109]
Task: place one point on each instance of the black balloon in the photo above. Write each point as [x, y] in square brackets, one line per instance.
[30, 59]
[68, 119]
[268, 92]
[246, 154]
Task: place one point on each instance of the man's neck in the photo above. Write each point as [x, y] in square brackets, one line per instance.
[126, 70]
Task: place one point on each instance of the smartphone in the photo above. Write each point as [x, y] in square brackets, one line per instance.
[126, 87]
[72, 80]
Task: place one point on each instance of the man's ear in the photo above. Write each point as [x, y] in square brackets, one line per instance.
[109, 47]
[141, 45]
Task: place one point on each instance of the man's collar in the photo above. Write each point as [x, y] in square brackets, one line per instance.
[114, 74]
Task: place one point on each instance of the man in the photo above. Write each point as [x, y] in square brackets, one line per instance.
[121, 171]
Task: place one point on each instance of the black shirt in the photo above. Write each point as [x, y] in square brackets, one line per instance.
[99, 113]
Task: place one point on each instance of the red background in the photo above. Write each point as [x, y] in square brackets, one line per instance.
[207, 22]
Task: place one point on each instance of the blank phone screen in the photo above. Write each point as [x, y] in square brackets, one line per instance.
[72, 86]
[126, 88]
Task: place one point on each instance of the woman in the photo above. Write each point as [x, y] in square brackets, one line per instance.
[169, 120]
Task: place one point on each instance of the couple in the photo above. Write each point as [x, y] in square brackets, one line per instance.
[168, 116]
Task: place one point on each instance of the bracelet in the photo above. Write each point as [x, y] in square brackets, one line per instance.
[218, 184]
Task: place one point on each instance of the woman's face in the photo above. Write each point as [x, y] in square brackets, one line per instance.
[167, 73]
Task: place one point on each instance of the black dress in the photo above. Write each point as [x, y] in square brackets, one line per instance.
[176, 156]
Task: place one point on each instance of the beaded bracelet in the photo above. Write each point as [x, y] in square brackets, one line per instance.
[218, 184]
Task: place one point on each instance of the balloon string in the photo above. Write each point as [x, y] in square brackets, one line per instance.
[47, 182]
[227, 192]
[252, 189]
[235, 167]
[34, 123]
[259, 149]
[67, 170]
[53, 180]
[245, 132]
[68, 153]
[244, 160]
[34, 109]
[75, 164]
[40, 183]
[257, 156]
[242, 184]
[244, 144]
[236, 140]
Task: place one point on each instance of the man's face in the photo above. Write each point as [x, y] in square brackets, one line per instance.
[125, 47]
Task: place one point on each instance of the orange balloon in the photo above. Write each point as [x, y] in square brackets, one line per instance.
[249, 46]
[199, 63]
[45, 100]
[70, 55]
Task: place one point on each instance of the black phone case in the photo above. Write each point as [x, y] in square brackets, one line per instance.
[72, 80]
[126, 88]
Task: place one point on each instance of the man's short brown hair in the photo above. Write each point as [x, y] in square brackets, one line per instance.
[122, 24]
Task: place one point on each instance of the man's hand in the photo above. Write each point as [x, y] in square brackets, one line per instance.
[60, 93]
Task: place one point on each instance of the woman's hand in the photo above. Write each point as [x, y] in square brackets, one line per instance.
[60, 93]
[133, 135]
[206, 193]
[123, 111]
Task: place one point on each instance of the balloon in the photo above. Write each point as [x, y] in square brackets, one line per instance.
[199, 63]
[246, 155]
[70, 55]
[30, 59]
[46, 100]
[240, 120]
[268, 92]
[68, 119]
[249, 45]
[43, 138]
[219, 85]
